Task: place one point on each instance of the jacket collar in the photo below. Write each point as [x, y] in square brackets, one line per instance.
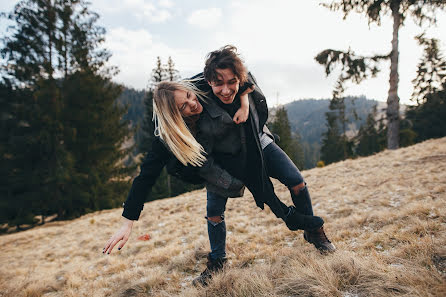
[212, 107]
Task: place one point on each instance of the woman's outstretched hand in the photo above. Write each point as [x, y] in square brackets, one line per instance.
[122, 234]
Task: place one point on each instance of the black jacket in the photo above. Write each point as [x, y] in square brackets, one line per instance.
[151, 167]
[219, 135]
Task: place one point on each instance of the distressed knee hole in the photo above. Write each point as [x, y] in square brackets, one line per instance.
[215, 220]
[297, 188]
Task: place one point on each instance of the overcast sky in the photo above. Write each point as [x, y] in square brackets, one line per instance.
[278, 41]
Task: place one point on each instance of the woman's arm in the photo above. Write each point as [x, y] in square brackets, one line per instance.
[243, 112]
[151, 168]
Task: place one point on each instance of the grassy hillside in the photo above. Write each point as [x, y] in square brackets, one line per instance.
[385, 213]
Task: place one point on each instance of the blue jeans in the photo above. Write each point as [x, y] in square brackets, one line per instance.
[278, 166]
[216, 206]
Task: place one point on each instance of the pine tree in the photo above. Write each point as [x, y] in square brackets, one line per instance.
[16, 203]
[51, 56]
[428, 117]
[96, 131]
[172, 73]
[43, 166]
[289, 142]
[332, 149]
[357, 68]
[335, 144]
[97, 138]
[370, 137]
[431, 72]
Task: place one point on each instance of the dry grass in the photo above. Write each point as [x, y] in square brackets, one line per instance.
[385, 213]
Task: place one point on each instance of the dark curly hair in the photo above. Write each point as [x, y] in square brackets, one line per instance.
[225, 58]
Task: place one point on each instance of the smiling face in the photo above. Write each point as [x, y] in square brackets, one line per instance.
[187, 103]
[226, 86]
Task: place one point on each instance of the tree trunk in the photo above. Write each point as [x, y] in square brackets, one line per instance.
[393, 104]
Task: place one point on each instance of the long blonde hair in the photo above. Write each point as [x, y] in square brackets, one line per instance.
[170, 125]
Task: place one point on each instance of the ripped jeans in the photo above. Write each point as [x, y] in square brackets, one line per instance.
[278, 166]
[216, 205]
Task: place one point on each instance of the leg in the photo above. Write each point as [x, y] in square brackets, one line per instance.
[281, 167]
[294, 220]
[215, 215]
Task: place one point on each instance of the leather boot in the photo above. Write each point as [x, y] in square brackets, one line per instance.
[212, 266]
[297, 221]
[319, 240]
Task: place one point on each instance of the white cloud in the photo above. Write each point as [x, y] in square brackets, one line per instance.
[153, 14]
[135, 52]
[166, 3]
[206, 18]
[150, 11]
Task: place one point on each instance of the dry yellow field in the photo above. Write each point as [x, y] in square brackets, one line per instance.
[385, 213]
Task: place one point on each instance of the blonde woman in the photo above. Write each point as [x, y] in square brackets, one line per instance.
[176, 110]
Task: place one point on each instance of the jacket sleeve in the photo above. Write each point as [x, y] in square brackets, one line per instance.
[260, 103]
[151, 168]
[212, 173]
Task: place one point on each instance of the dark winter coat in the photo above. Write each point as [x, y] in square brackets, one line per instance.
[219, 135]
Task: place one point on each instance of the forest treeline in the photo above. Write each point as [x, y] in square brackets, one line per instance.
[62, 133]
[71, 140]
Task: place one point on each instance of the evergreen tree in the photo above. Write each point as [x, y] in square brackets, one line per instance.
[335, 144]
[371, 137]
[332, 149]
[431, 72]
[54, 65]
[16, 199]
[428, 117]
[43, 166]
[172, 73]
[357, 68]
[96, 141]
[96, 131]
[289, 142]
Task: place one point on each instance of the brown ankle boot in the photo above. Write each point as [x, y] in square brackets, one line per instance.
[213, 266]
[319, 240]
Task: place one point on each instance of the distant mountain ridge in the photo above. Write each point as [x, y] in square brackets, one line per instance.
[307, 118]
